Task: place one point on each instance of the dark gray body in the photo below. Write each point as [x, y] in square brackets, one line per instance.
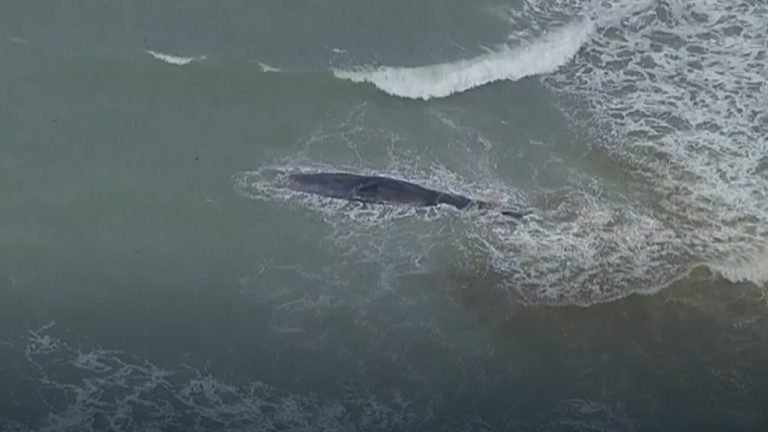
[380, 190]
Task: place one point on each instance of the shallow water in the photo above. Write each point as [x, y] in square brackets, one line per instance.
[151, 279]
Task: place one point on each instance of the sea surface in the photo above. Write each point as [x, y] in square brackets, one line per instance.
[151, 279]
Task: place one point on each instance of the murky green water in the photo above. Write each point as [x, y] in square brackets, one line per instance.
[148, 281]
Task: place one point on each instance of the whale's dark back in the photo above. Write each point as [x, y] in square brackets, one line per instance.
[372, 189]
[378, 190]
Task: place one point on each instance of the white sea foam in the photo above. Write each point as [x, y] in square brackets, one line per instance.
[512, 63]
[746, 268]
[175, 60]
[579, 248]
[267, 68]
[678, 91]
[98, 389]
[17, 40]
[673, 96]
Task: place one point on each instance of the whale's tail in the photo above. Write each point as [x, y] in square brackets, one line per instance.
[517, 214]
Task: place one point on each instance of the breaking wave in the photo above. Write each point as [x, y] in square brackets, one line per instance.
[512, 63]
[174, 60]
[675, 94]
[267, 68]
[93, 388]
[670, 94]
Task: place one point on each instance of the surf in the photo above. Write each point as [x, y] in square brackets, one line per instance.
[174, 60]
[510, 63]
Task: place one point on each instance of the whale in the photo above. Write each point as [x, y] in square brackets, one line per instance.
[375, 189]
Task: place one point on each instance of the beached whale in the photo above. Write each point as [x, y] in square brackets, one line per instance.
[380, 190]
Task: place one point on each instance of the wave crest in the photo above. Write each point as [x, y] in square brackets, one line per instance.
[174, 60]
[509, 63]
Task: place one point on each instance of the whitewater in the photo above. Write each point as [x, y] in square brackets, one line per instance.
[693, 157]
[153, 278]
[509, 62]
[174, 59]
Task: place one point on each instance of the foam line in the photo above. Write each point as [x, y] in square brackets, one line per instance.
[542, 56]
[174, 60]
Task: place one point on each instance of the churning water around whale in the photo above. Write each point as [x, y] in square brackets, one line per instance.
[152, 277]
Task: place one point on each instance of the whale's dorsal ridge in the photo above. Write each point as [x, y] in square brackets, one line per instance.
[379, 190]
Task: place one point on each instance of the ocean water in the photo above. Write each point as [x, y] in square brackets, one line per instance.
[151, 279]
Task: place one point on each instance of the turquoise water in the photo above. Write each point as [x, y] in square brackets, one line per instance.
[152, 279]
